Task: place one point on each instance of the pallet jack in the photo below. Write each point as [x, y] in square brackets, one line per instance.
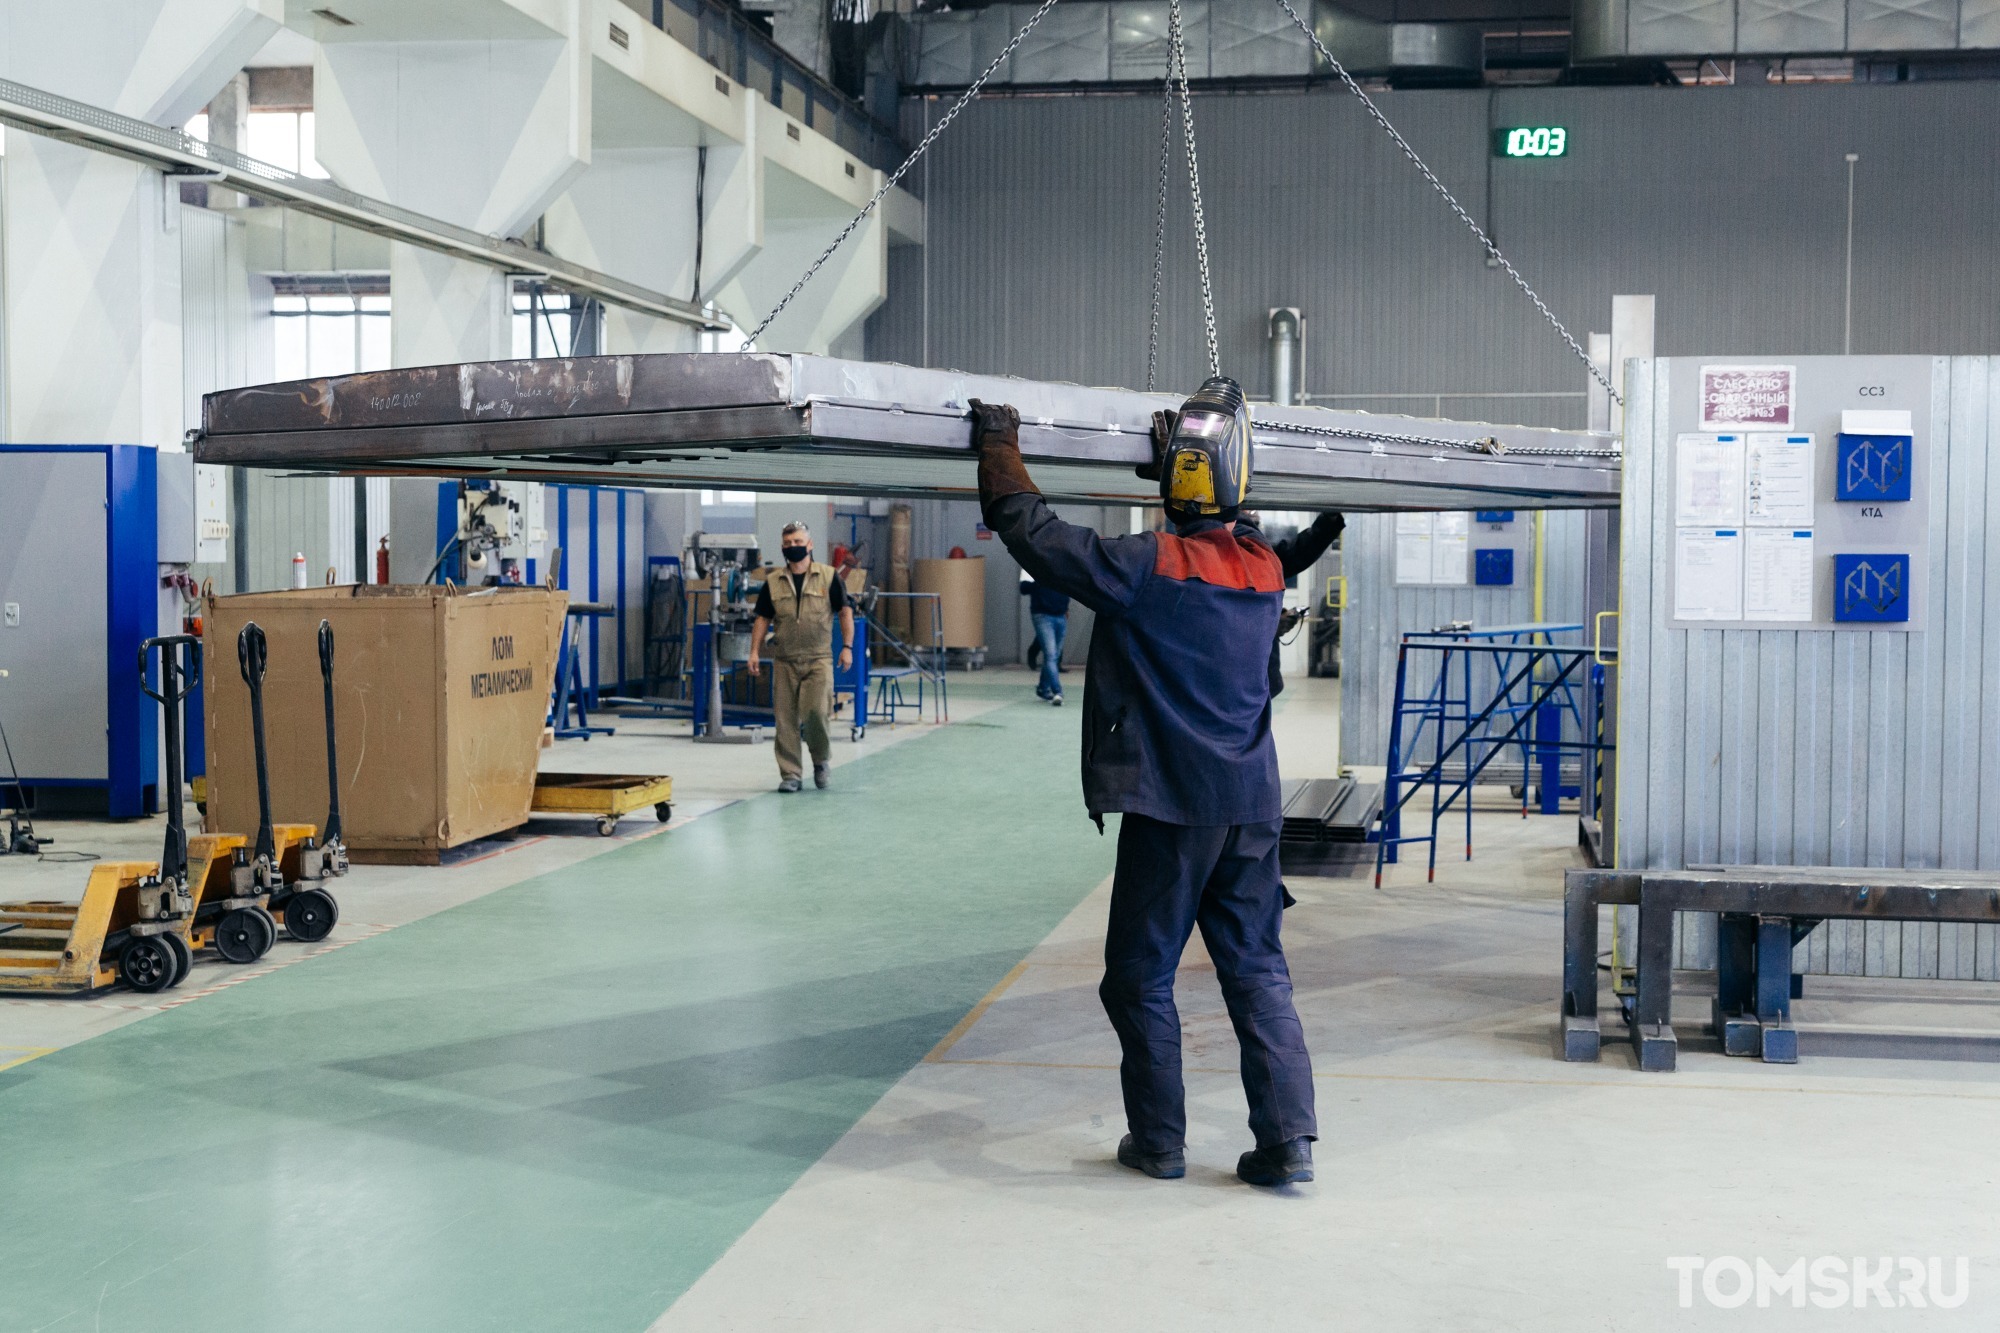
[240, 925]
[244, 884]
[132, 922]
[308, 906]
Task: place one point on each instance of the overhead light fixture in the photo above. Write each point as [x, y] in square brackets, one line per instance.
[338, 20]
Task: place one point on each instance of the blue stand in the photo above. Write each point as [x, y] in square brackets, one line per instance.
[570, 694]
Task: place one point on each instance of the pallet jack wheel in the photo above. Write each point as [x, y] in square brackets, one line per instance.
[606, 826]
[270, 928]
[183, 954]
[663, 811]
[310, 915]
[147, 964]
[245, 934]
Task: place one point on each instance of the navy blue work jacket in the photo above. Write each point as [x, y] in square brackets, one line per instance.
[1177, 696]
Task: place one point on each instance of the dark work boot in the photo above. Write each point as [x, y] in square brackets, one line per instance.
[822, 774]
[1288, 1163]
[1158, 1165]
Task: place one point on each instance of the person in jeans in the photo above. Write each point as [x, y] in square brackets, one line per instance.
[798, 606]
[1049, 608]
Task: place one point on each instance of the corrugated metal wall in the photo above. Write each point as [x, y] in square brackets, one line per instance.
[1822, 747]
[1379, 611]
[1729, 203]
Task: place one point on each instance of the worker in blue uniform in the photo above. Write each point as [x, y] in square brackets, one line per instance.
[1177, 739]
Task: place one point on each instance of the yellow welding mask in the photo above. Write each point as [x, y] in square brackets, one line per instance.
[1206, 468]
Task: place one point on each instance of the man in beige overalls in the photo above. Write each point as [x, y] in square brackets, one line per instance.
[798, 604]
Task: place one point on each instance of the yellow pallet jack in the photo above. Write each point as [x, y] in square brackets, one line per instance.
[242, 883]
[132, 922]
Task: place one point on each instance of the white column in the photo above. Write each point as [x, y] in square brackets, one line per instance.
[666, 132]
[92, 346]
[484, 133]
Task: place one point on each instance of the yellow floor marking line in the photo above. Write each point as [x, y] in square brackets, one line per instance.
[11, 1056]
[964, 1025]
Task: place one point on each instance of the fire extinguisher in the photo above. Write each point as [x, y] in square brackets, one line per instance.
[382, 562]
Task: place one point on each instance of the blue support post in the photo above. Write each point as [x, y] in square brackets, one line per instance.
[447, 528]
[596, 657]
[619, 682]
[133, 600]
[1548, 755]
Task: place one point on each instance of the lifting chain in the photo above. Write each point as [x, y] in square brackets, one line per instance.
[1176, 79]
[922, 147]
[1489, 445]
[1177, 66]
[1160, 228]
[1492, 250]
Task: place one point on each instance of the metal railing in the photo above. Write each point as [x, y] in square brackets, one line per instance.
[728, 40]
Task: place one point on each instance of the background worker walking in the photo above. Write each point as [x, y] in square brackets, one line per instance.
[798, 606]
[1049, 608]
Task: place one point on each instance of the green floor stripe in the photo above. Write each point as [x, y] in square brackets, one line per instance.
[553, 1107]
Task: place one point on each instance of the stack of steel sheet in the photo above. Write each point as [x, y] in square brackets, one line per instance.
[763, 422]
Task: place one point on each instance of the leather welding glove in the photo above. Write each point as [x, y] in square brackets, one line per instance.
[996, 434]
[1165, 423]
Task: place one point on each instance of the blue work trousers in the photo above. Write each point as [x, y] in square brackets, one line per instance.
[1049, 633]
[1223, 878]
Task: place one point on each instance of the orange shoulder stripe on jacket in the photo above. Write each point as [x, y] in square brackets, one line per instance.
[1221, 559]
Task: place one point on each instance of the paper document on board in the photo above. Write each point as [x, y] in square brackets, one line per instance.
[1778, 574]
[1708, 574]
[1778, 487]
[1413, 547]
[1708, 480]
[1451, 548]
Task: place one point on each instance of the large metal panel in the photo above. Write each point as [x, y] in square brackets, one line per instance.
[1138, 39]
[1788, 27]
[1255, 39]
[53, 544]
[1072, 44]
[1681, 27]
[828, 426]
[1902, 25]
[1978, 24]
[1813, 747]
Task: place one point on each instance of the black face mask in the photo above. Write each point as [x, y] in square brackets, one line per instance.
[794, 554]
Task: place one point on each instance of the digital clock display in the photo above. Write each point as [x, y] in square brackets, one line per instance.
[1531, 141]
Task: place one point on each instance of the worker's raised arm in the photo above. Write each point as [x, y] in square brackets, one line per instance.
[1103, 574]
[1301, 552]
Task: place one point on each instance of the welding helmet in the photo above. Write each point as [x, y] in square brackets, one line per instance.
[1205, 469]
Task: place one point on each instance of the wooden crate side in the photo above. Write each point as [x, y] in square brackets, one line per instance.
[385, 700]
[499, 652]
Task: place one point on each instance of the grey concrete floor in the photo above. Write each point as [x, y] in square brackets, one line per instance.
[1467, 1178]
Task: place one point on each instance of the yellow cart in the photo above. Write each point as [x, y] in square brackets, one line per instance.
[608, 796]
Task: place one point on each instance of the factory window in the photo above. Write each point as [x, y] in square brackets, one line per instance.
[550, 322]
[286, 139]
[328, 334]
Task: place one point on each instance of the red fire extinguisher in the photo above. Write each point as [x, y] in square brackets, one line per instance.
[382, 562]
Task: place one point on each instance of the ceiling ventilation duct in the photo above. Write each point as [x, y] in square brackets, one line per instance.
[1626, 29]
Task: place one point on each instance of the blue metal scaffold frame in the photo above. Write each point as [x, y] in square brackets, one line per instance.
[1534, 682]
